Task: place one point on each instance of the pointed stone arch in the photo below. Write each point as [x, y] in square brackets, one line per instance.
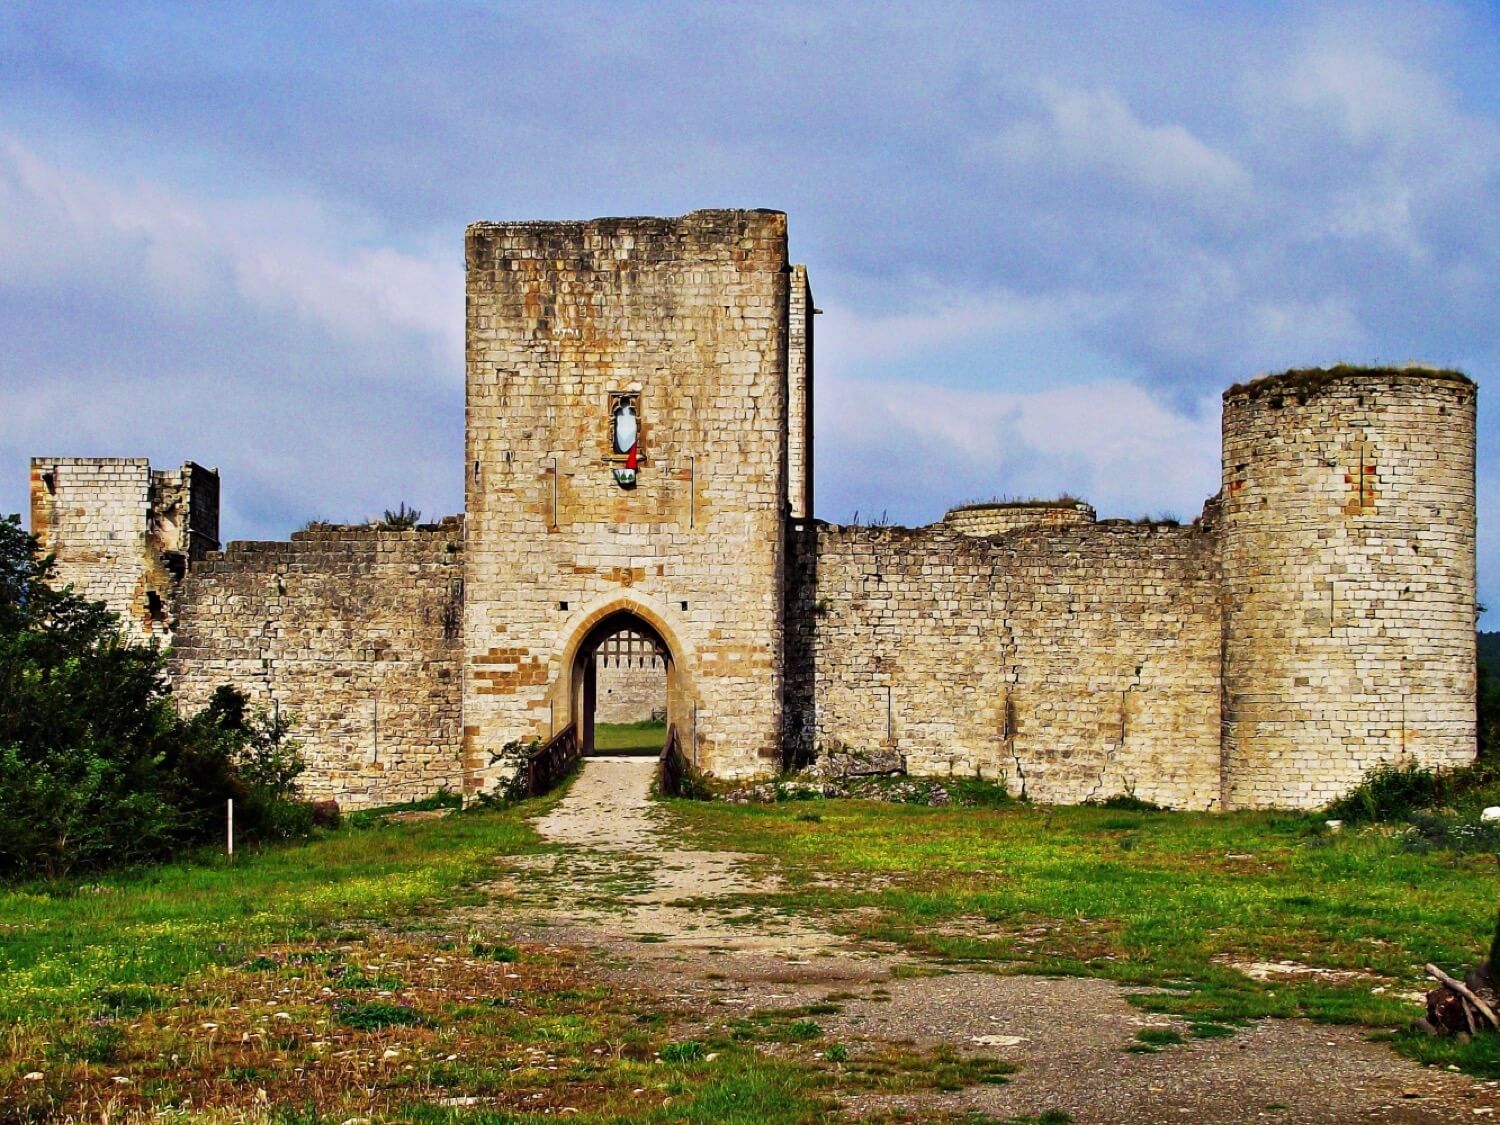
[573, 689]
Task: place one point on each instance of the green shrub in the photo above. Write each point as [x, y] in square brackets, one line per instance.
[801, 1029]
[1125, 802]
[1431, 831]
[97, 768]
[688, 1051]
[973, 792]
[1388, 792]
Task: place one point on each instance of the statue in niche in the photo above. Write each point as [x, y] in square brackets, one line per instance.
[625, 437]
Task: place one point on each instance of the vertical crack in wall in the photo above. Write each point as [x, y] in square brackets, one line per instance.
[1114, 749]
[1008, 735]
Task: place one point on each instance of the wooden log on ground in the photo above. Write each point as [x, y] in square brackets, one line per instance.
[1466, 993]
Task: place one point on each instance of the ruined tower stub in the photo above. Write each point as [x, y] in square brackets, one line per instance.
[685, 322]
[124, 534]
[1348, 559]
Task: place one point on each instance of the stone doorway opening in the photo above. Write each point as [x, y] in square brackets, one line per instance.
[624, 677]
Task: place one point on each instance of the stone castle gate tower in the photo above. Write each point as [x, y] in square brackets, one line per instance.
[631, 462]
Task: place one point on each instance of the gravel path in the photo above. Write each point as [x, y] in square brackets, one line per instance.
[662, 917]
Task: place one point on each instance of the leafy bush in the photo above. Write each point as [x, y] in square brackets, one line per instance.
[1487, 712]
[1432, 831]
[96, 766]
[1441, 808]
[1388, 792]
[1127, 802]
[402, 519]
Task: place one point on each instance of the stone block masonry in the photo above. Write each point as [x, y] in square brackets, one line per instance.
[1002, 516]
[1348, 579]
[354, 634]
[639, 462]
[689, 316]
[630, 691]
[1070, 664]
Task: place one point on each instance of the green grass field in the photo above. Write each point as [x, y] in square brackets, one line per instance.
[629, 738]
[1152, 898]
[320, 981]
[277, 990]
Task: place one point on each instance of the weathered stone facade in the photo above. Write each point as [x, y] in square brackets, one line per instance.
[633, 692]
[1349, 579]
[1317, 619]
[1071, 664]
[690, 315]
[1000, 517]
[123, 533]
[354, 633]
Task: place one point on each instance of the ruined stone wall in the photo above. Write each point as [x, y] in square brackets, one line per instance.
[1074, 663]
[629, 691]
[691, 315]
[123, 534]
[1349, 579]
[996, 519]
[355, 633]
[184, 518]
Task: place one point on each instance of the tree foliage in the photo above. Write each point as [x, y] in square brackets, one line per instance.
[96, 766]
[1488, 713]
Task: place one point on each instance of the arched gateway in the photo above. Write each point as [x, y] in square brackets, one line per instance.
[579, 686]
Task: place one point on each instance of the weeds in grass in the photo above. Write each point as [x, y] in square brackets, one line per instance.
[496, 952]
[801, 1029]
[94, 1042]
[558, 1043]
[72, 948]
[1206, 1030]
[371, 1015]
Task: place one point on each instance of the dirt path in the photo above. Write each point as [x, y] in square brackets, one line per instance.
[665, 917]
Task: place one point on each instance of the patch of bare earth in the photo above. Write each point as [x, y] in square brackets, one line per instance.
[666, 920]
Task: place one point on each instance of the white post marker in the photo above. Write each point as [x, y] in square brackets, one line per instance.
[230, 830]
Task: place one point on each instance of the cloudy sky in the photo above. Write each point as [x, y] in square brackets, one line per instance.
[1045, 237]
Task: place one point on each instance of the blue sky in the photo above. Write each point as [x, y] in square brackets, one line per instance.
[1045, 237]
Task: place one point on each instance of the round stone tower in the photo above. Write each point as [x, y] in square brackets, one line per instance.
[1348, 577]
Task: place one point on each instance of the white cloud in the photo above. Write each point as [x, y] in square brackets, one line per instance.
[66, 227]
[1110, 442]
[851, 336]
[1095, 131]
